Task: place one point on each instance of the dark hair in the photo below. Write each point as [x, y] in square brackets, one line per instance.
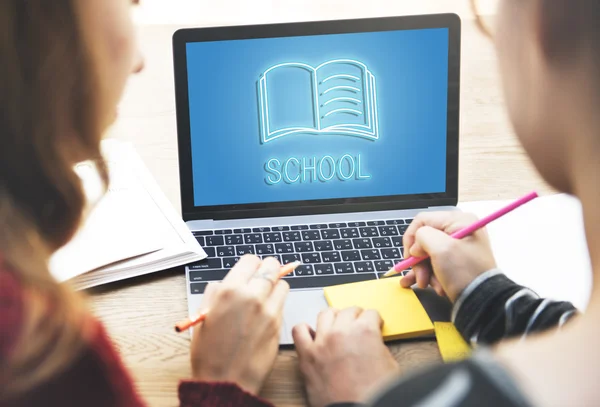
[570, 27]
[48, 123]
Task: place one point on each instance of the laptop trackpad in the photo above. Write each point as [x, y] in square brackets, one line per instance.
[301, 306]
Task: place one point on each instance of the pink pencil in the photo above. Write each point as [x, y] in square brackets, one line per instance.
[411, 261]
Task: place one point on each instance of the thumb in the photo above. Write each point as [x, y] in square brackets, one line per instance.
[429, 241]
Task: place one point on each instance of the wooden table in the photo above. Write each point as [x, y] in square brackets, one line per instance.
[140, 313]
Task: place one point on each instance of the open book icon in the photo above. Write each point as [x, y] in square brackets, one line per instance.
[336, 97]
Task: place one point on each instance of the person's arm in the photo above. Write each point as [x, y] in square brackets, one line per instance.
[493, 307]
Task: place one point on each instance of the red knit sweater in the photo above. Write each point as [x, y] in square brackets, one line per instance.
[97, 378]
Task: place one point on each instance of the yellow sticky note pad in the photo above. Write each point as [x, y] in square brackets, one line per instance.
[402, 313]
[451, 343]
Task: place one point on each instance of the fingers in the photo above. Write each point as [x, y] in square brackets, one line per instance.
[302, 338]
[372, 318]
[274, 304]
[448, 222]
[242, 271]
[409, 279]
[265, 278]
[325, 319]
[209, 293]
[422, 275]
[433, 241]
[347, 316]
[437, 286]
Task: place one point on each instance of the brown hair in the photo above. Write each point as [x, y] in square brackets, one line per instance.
[48, 123]
[570, 27]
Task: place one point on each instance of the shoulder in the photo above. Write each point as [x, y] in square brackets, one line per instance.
[471, 383]
[11, 309]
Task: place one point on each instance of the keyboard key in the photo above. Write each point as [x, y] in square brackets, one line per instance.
[362, 243]
[304, 270]
[202, 232]
[390, 254]
[408, 221]
[210, 251]
[311, 235]
[223, 232]
[350, 255]
[319, 226]
[200, 240]
[245, 230]
[349, 233]
[323, 269]
[272, 237]
[323, 245]
[223, 251]
[382, 242]
[253, 238]
[244, 249]
[397, 241]
[290, 258]
[261, 230]
[402, 229]
[395, 222]
[234, 239]
[291, 236]
[206, 264]
[280, 228]
[265, 249]
[356, 224]
[337, 225]
[229, 262]
[215, 241]
[331, 257]
[388, 231]
[364, 267]
[345, 244]
[369, 232]
[303, 247]
[371, 254]
[300, 227]
[310, 258]
[330, 234]
[326, 281]
[207, 275]
[343, 268]
[198, 288]
[282, 248]
[375, 223]
[384, 265]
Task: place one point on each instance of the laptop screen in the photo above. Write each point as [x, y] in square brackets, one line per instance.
[318, 117]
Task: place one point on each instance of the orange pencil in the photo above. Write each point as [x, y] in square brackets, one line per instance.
[188, 323]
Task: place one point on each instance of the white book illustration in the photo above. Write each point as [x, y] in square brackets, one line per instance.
[338, 97]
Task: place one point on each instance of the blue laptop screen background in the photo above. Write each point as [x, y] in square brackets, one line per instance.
[318, 117]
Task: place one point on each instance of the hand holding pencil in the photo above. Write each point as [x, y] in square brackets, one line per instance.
[239, 338]
[457, 246]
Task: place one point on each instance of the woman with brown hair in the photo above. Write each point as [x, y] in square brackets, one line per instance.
[63, 67]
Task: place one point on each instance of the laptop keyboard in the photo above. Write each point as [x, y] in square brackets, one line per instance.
[331, 254]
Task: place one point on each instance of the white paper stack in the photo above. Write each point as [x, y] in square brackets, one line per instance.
[133, 229]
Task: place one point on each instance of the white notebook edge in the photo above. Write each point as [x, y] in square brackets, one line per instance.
[174, 255]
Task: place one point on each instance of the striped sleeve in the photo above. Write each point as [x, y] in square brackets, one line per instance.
[493, 307]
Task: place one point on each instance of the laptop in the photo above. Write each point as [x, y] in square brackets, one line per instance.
[316, 141]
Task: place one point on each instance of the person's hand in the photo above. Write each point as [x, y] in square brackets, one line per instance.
[239, 339]
[345, 359]
[453, 263]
